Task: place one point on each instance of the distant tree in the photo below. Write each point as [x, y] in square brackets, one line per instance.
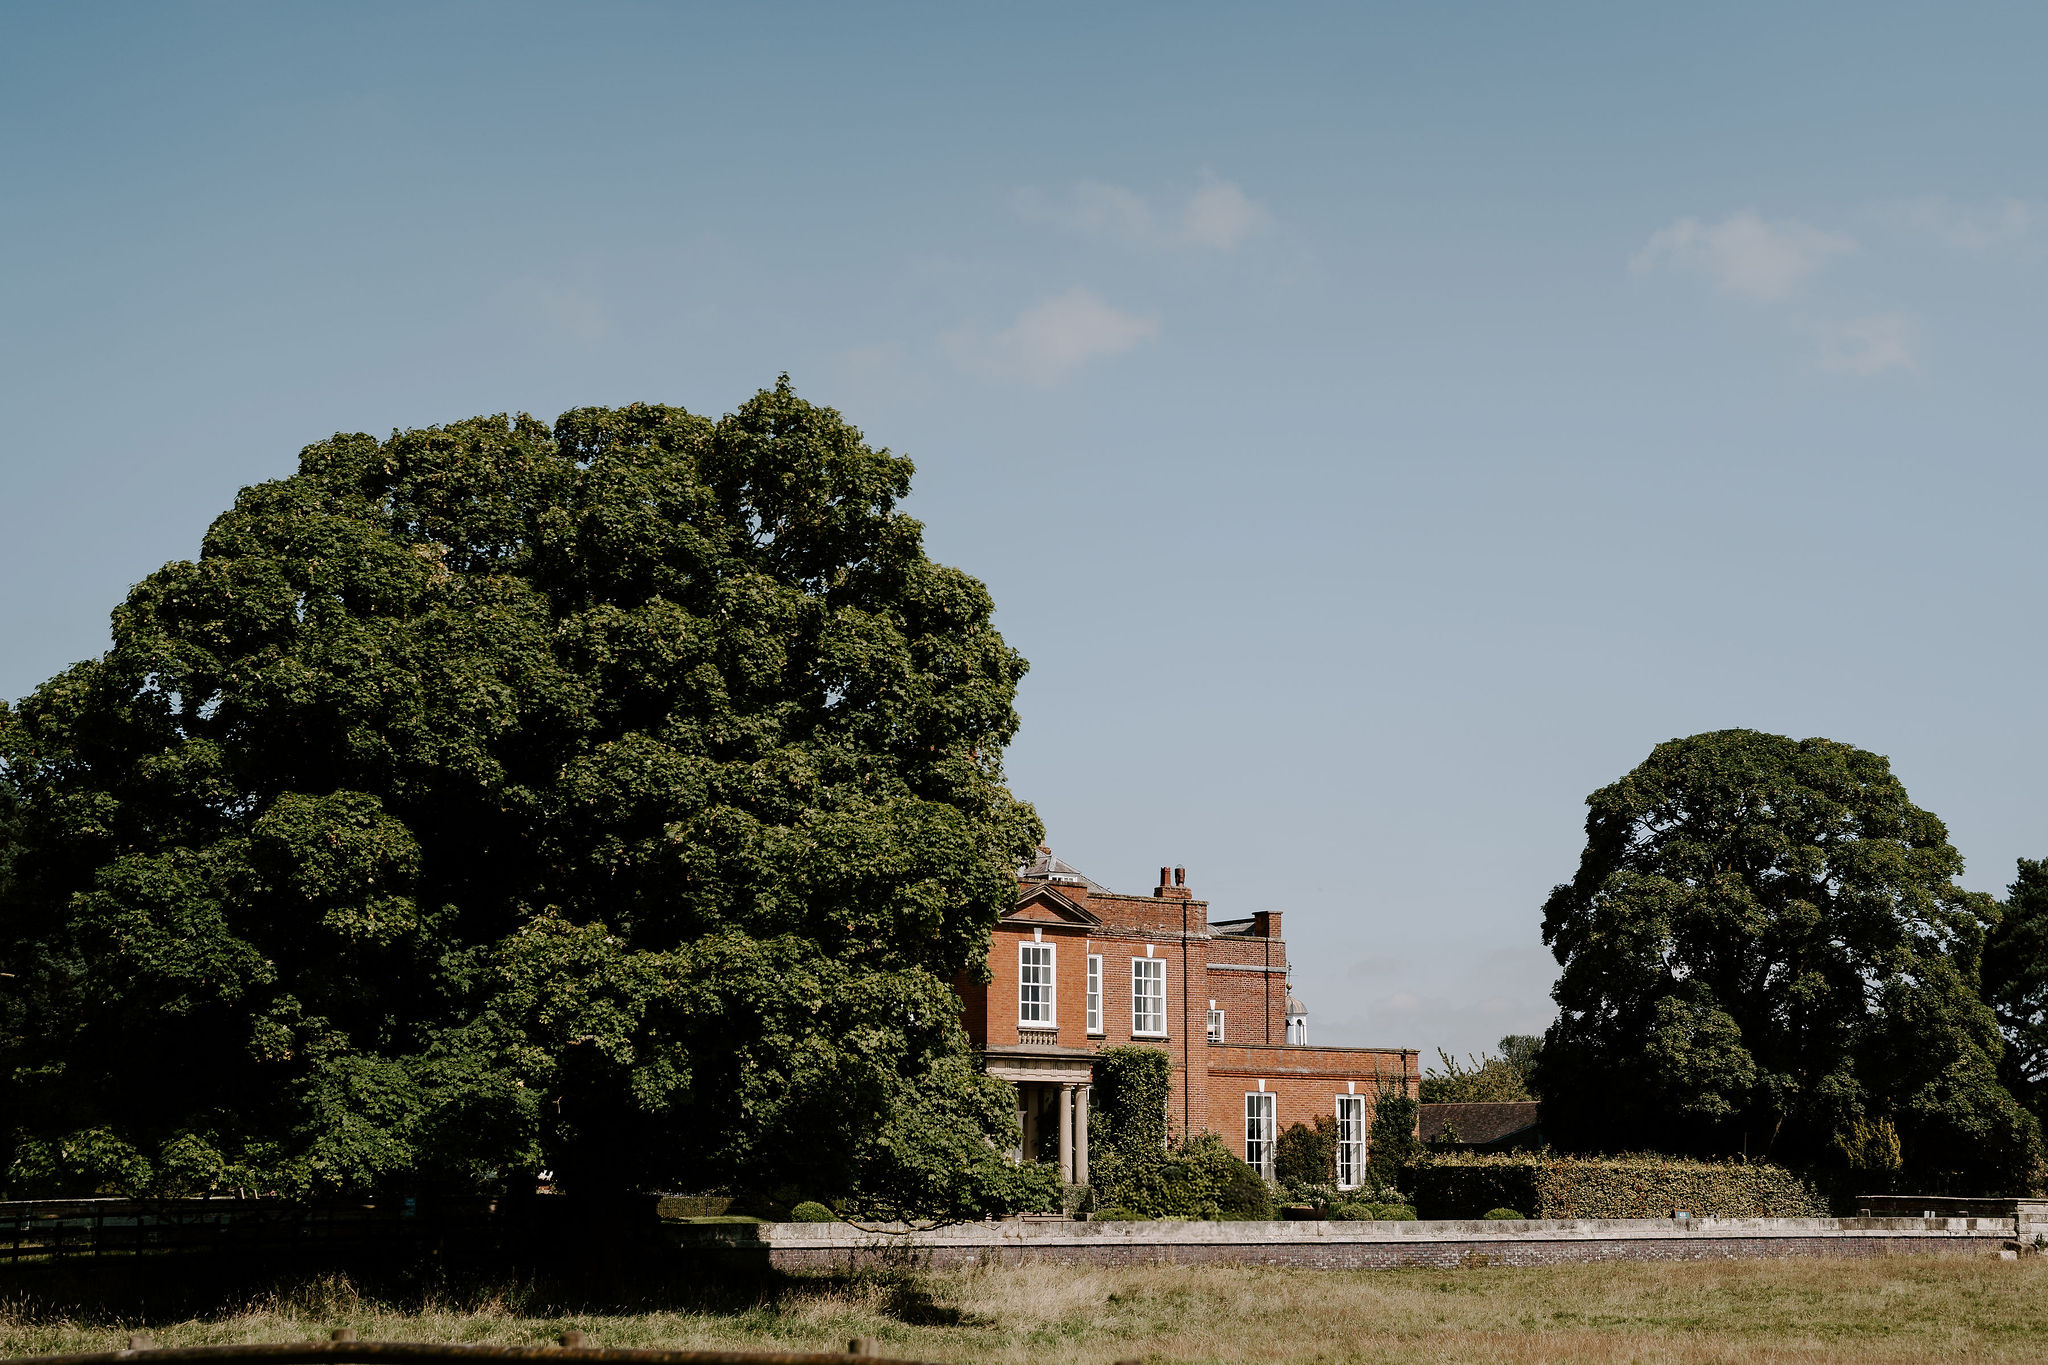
[1521, 1050]
[1484, 1078]
[1765, 945]
[1390, 1140]
[2016, 984]
[620, 797]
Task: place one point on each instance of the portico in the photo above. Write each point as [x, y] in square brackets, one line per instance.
[1053, 1086]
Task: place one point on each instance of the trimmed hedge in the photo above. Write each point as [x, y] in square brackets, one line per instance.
[1637, 1186]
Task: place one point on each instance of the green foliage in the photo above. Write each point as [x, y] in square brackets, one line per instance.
[1503, 1215]
[621, 798]
[1127, 1111]
[1390, 1141]
[1482, 1079]
[2016, 984]
[1555, 1186]
[1520, 1051]
[1763, 945]
[1200, 1178]
[1240, 1191]
[811, 1211]
[1306, 1155]
[1870, 1152]
[1368, 1211]
[1133, 1167]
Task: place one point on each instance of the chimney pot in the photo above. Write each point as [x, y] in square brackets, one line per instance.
[1180, 876]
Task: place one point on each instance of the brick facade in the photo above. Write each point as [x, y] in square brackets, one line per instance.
[1236, 966]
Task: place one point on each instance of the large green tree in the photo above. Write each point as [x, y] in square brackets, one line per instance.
[620, 798]
[2016, 984]
[1764, 948]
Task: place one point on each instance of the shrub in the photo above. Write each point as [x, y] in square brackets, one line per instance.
[1503, 1215]
[1637, 1186]
[1365, 1210]
[811, 1211]
[1241, 1192]
[1132, 1167]
[1390, 1141]
[1305, 1155]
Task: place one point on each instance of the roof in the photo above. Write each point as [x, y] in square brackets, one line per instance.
[1047, 868]
[1481, 1125]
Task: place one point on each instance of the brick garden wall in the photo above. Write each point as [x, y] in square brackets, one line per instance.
[1346, 1246]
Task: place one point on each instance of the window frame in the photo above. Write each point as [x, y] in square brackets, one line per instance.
[1050, 985]
[1260, 1108]
[1215, 1026]
[1094, 994]
[1153, 971]
[1351, 1149]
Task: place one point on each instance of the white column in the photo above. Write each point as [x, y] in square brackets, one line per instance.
[1067, 1133]
[1081, 1136]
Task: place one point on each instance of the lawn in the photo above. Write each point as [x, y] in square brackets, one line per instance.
[1904, 1309]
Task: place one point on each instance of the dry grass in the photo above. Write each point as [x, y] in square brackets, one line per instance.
[1903, 1310]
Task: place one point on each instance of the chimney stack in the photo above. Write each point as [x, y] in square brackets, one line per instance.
[1173, 884]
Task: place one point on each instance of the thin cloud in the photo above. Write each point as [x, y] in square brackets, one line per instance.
[1050, 340]
[1218, 216]
[1744, 255]
[1970, 227]
[1866, 345]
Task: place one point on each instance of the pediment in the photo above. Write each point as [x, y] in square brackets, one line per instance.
[1049, 906]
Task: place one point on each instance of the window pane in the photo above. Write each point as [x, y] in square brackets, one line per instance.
[1350, 1140]
[1034, 983]
[1148, 995]
[1258, 1133]
[1094, 993]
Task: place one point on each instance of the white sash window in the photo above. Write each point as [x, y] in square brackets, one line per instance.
[1350, 1141]
[1258, 1132]
[1148, 996]
[1095, 992]
[1034, 984]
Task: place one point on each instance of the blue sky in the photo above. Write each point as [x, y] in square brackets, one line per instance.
[1379, 427]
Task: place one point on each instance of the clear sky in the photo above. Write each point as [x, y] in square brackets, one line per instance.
[1379, 426]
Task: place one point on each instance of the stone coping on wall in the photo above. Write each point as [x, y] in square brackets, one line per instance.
[1054, 1237]
[828, 1248]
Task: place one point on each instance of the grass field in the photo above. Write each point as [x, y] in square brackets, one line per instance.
[1904, 1310]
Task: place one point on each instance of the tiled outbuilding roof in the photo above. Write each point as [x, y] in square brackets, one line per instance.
[1481, 1125]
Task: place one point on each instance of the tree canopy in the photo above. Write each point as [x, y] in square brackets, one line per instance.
[1484, 1078]
[1765, 948]
[2016, 984]
[619, 798]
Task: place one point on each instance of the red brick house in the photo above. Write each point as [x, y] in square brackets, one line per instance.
[1076, 967]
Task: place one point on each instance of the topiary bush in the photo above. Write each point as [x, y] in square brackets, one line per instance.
[811, 1211]
[1503, 1215]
